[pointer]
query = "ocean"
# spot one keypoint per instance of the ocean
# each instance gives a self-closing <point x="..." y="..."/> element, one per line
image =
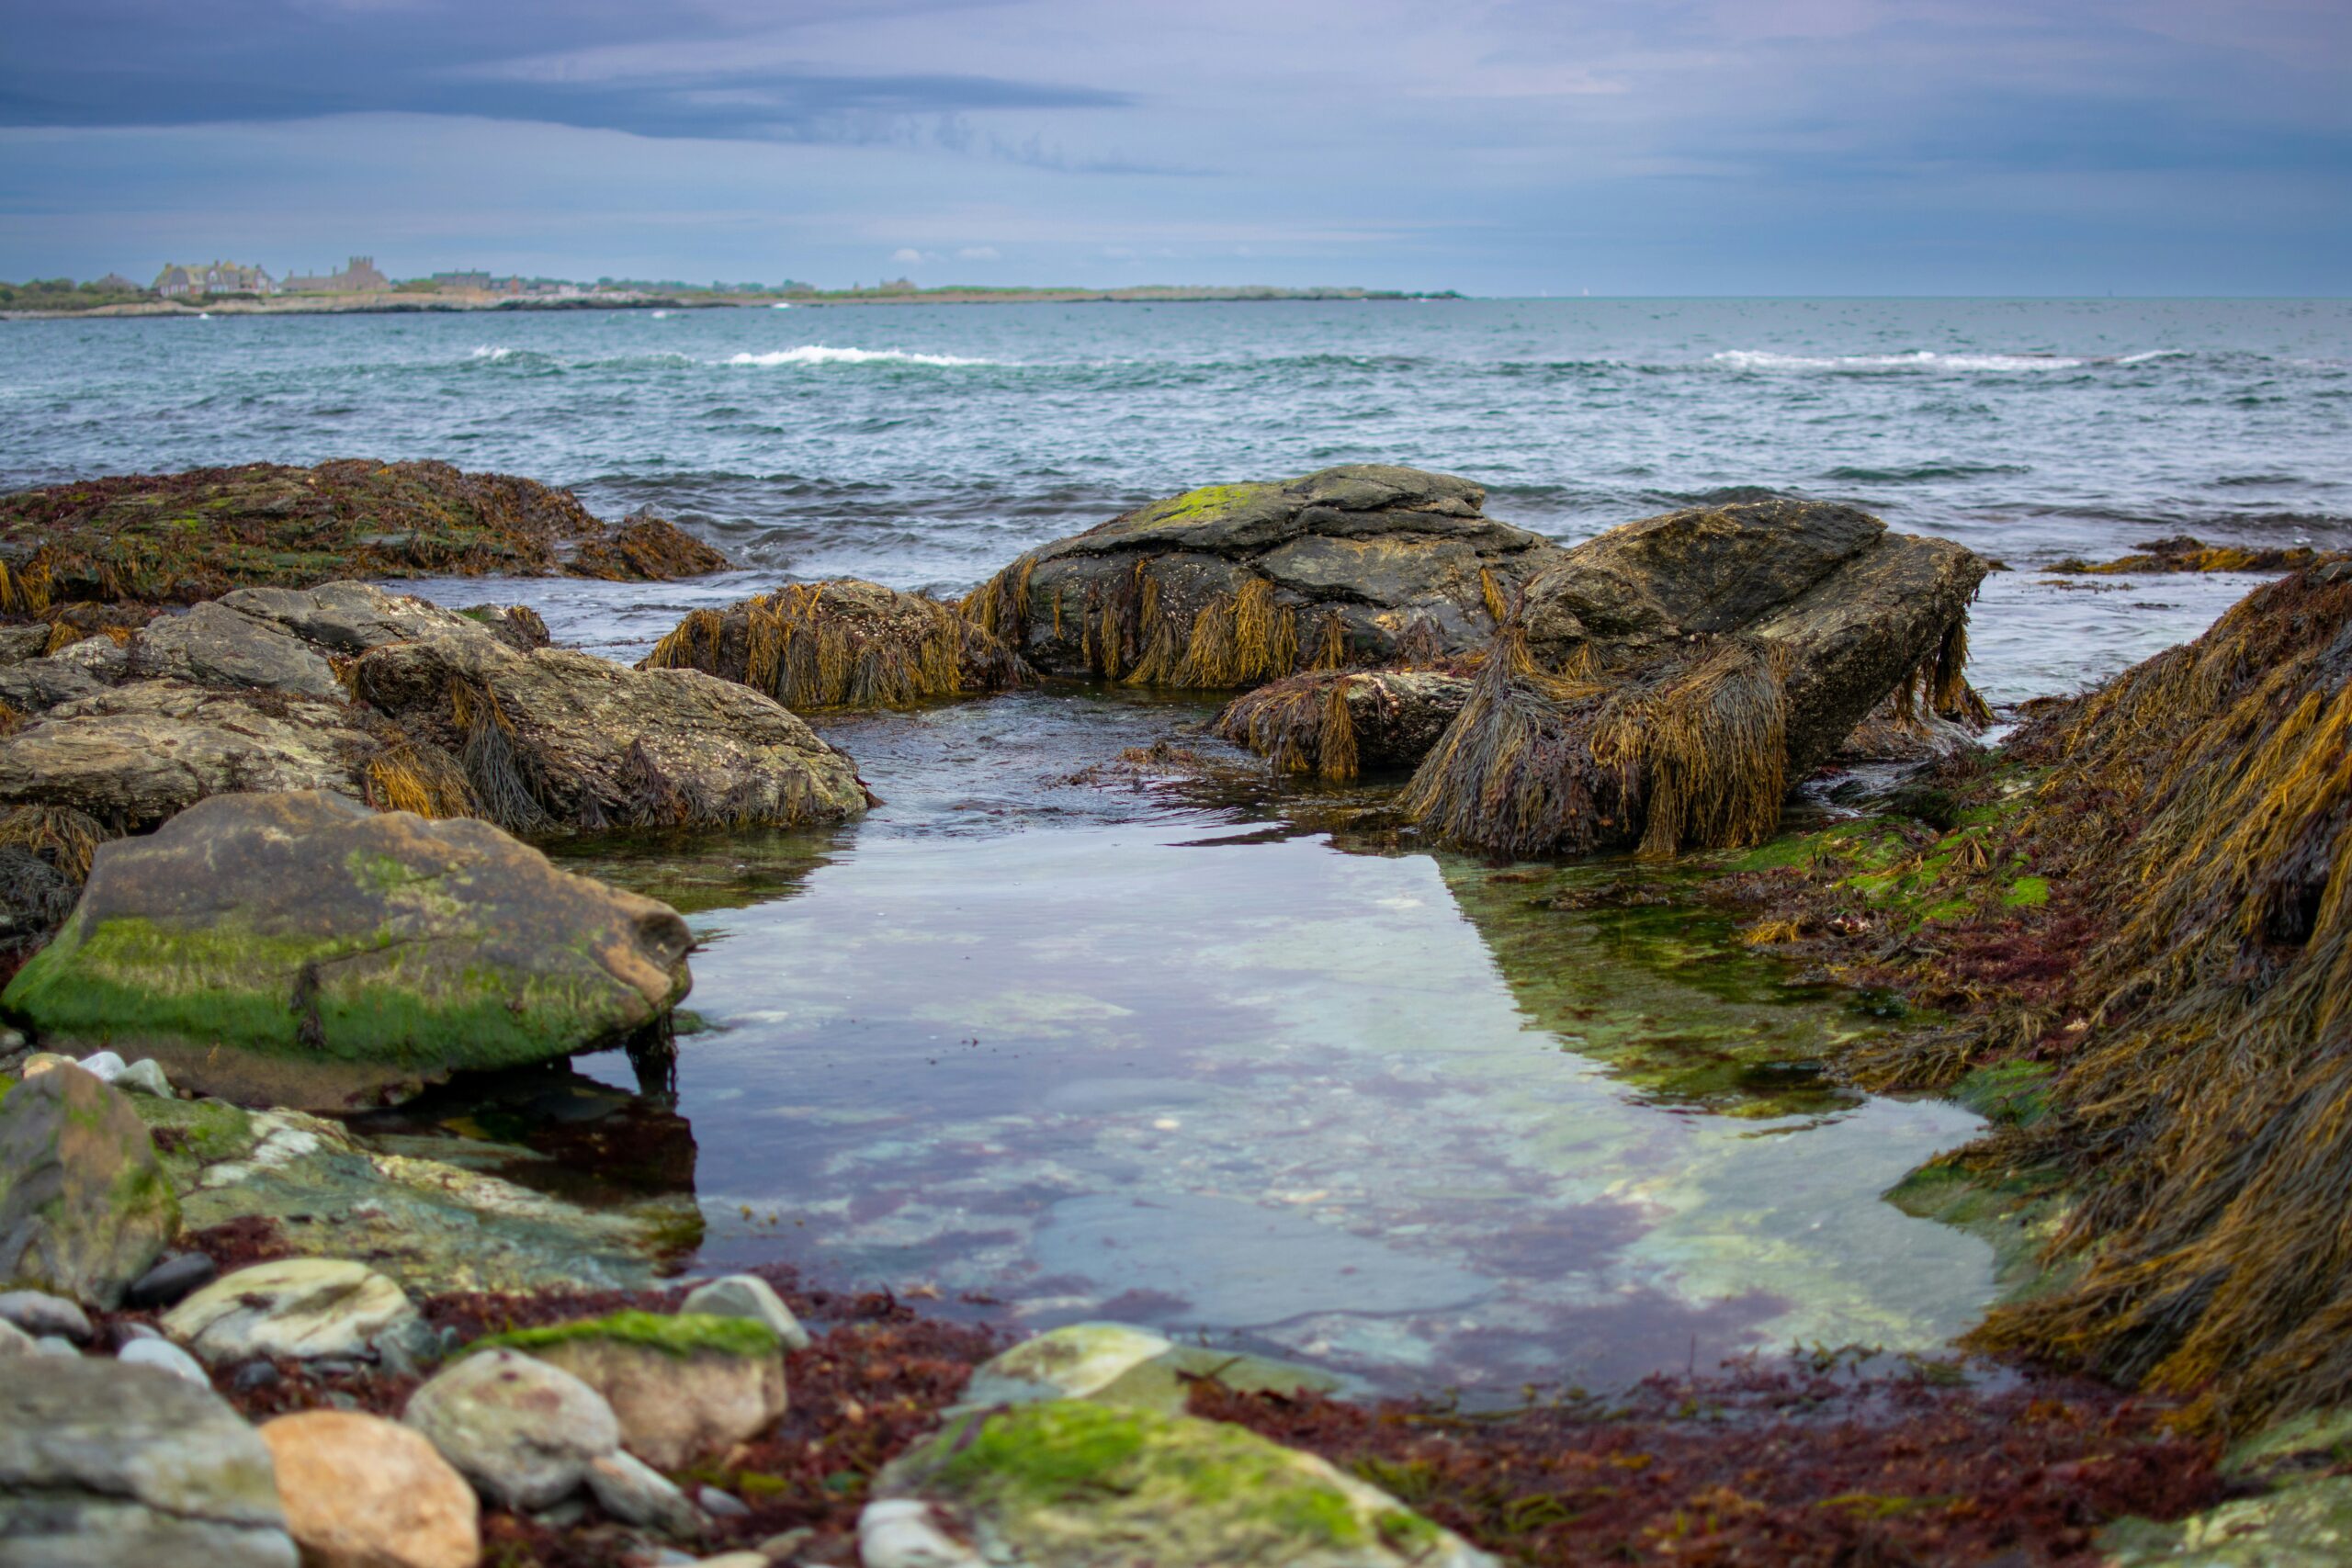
<point x="1211" y="1063"/>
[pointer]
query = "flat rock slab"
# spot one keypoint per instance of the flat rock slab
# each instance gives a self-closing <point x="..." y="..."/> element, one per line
<point x="301" y="950"/>
<point x="1231" y="585"/>
<point x="103" y="1464"/>
<point x="300" y="1308"/>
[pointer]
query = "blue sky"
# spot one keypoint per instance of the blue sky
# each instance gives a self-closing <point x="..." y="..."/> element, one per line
<point x="1689" y="146"/>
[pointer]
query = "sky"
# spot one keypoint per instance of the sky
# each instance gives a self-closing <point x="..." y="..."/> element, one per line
<point x="1498" y="147"/>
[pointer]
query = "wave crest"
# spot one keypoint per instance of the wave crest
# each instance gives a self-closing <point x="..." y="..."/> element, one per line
<point x="818" y="354"/>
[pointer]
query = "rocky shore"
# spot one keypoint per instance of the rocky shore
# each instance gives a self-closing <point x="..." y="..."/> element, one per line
<point x="267" y="861"/>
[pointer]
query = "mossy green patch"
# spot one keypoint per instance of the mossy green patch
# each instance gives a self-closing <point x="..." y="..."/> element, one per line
<point x="2027" y="892"/>
<point x="1195" y="505"/>
<point x="685" y="1335"/>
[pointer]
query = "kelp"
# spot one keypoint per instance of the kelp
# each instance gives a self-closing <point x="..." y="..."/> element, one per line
<point x="1689" y="753"/>
<point x="2204" y="1103"/>
<point x="178" y="539"/>
<point x="60" y="835"/>
<point x="417" y="775"/>
<point x="842" y="644"/>
<point x="1301" y="724"/>
<point x="2185" y="553"/>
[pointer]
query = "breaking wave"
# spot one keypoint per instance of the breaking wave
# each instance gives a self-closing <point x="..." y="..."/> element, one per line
<point x="817" y="354"/>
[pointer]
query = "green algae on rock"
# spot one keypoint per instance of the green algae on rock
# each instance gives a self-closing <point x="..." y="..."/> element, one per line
<point x="297" y="949"/>
<point x="1069" y="1482"/>
<point x="85" y="1206"/>
<point x="1114" y="1363"/>
<point x="684" y="1388"/>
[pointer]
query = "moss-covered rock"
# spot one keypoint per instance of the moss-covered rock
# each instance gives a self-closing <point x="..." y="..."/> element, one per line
<point x="1113" y="1363"/>
<point x="85" y="1206"/>
<point x="684" y="1388"/>
<point x="1071" y="1483"/>
<point x="300" y="949"/>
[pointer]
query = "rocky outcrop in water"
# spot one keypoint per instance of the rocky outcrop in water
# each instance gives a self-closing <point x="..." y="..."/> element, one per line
<point x="299" y="949"/>
<point x="137" y="541"/>
<point x="846" y="643"/>
<point x="405" y="706"/>
<point x="1233" y="585"/>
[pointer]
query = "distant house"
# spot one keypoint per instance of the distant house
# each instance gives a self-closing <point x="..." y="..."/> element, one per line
<point x="178" y="281"/>
<point x="358" y="276"/>
<point x="475" y="280"/>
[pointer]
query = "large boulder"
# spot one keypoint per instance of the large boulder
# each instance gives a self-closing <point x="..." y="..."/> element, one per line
<point x="846" y="643"/>
<point x="103" y="1463"/>
<point x="454" y="714"/>
<point x="523" y="1432"/>
<point x="85" y="1206"/>
<point x="1069" y="1484"/>
<point x="684" y="1389"/>
<point x="1664" y="683"/>
<point x="1232" y="585"/>
<point x="301" y="950"/>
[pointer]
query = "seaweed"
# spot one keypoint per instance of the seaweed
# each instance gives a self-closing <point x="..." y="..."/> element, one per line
<point x="645" y="549"/>
<point x="417" y="775"/>
<point x="842" y="644"/>
<point x="60" y="835"/>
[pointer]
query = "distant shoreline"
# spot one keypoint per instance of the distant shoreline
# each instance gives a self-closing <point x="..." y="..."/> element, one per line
<point x="455" y="303"/>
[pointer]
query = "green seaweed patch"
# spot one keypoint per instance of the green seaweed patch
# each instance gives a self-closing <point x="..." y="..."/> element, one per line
<point x="1190" y="1490"/>
<point x="192" y="1133"/>
<point x="1209" y="500"/>
<point x="2026" y="892"/>
<point x="2016" y="1211"/>
<point x="2016" y="1092"/>
<point x="684" y="1335"/>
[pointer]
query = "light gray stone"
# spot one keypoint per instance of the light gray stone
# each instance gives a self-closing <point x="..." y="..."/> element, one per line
<point x="104" y="1066"/>
<point x="146" y="1075"/>
<point x="212" y="645"/>
<point x="628" y="1488"/>
<point x="303" y="1308"/>
<point x="38" y="1312"/>
<point x="51" y="1345"/>
<point x="14" y="1341"/>
<point x="748" y="1296"/>
<point x="523" y="1432"/>
<point x="164" y="1356"/>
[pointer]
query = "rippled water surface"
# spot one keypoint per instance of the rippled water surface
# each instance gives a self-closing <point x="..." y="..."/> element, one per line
<point x="1236" y="1060"/>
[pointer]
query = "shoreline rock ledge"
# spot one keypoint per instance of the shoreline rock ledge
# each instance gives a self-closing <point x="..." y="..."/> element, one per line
<point x="301" y="950"/>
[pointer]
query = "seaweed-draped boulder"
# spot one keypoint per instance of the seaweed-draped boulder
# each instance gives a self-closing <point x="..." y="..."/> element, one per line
<point x="1665" y="683"/>
<point x="406" y="706"/>
<point x="1231" y="585"/>
<point x="844" y="643"/>
<point x="301" y="950"/>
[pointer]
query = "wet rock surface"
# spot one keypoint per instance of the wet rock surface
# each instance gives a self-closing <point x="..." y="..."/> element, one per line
<point x="299" y="949"/>
<point x="1232" y="585"/>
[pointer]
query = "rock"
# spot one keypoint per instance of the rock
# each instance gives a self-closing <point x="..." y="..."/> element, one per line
<point x="38" y="685"/>
<point x="1069" y="1484"/>
<point x="164" y="1356"/>
<point x="176" y="538"/>
<point x="104" y="1066"/>
<point x="20" y="643"/>
<point x="351" y="618"/>
<point x="631" y="1490"/>
<point x="555" y="739"/>
<point x="722" y="1505"/>
<point x="14" y="1341"/>
<point x="140" y="753"/>
<point x="361" y="1491"/>
<point x="519" y="627"/>
<point x="1112" y="1363"/>
<point x="1233" y="585"/>
<point x="1667" y="681"/>
<point x="212" y="645"/>
<point x="645" y="549"/>
<point x="85" y="1206"/>
<point x="522" y="1431"/>
<point x="146" y="1075"/>
<point x="103" y="1463"/>
<point x="101" y="658"/>
<point x="1336" y="723"/>
<point x="301" y="950"/>
<point x="299" y="1308"/>
<point x="684" y="1388"/>
<point x="37" y="1311"/>
<point x="171" y="1281"/>
<point x="846" y="643"/>
<point x="748" y="1296"/>
<point x="51" y="1345"/>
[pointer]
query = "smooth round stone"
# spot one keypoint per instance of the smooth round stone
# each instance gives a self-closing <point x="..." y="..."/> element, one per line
<point x="146" y="1075"/>
<point x="522" y="1431"/>
<point x="748" y="1296"/>
<point x="51" y="1345"/>
<point x="362" y="1491"/>
<point x="38" y="1313"/>
<point x="164" y="1356"/>
<point x="104" y="1066"/>
<point x="303" y="1308"/>
<point x="171" y="1282"/>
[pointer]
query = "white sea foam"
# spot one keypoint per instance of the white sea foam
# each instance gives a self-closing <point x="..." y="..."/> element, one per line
<point x="817" y="354"/>
<point x="1922" y="360"/>
<point x="493" y="353"/>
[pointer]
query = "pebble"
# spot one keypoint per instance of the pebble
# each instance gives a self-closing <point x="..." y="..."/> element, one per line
<point x="51" y="1345"/>
<point x="130" y="1331"/>
<point x="253" y="1375"/>
<point x="11" y="1040"/>
<point x="737" y="1560"/>
<point x="721" y="1505"/>
<point x="104" y="1066"/>
<point x="38" y="1312"/>
<point x="749" y="1296"/>
<point x="164" y="1355"/>
<point x="172" y="1280"/>
<point x="632" y="1490"/>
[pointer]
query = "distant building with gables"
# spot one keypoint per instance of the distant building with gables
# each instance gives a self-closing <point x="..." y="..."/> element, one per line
<point x="358" y="276"/>
<point x="179" y="282"/>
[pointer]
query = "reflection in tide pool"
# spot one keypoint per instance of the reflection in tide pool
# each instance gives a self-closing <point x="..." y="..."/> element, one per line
<point x="1173" y="1071"/>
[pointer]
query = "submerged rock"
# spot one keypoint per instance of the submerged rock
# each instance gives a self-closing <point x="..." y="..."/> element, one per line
<point x="684" y="1389"/>
<point x="103" y="1463"/>
<point x="846" y="643"/>
<point x="1073" y="1485"/>
<point x="1232" y="585"/>
<point x="1113" y="1363"/>
<point x="1666" y="681"/>
<point x="300" y="949"/>
<point x="178" y="539"/>
<point x="85" y="1206"/>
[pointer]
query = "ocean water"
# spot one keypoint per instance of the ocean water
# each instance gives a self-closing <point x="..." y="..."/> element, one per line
<point x="1060" y="1047"/>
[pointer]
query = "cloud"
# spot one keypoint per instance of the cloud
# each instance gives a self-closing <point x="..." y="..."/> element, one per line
<point x="909" y="256"/>
<point x="978" y="253"/>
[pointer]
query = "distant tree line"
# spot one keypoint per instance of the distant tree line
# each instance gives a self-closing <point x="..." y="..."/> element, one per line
<point x="64" y="294"/>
